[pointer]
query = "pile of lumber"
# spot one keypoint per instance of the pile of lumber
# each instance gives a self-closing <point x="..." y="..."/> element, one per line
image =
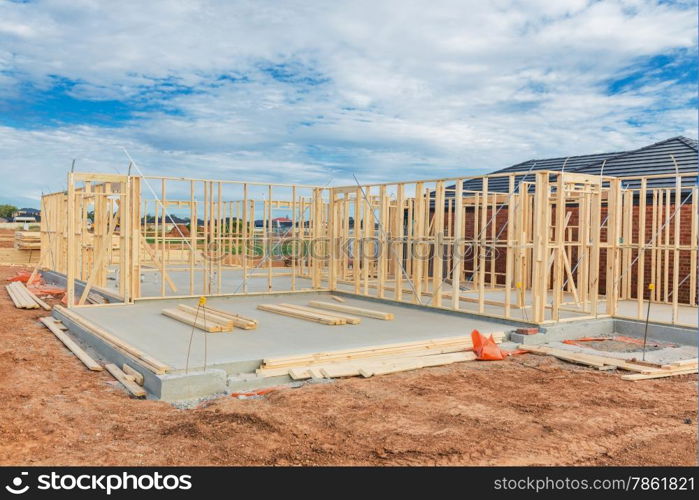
<point x="374" y="360"/>
<point x="209" y="319"/>
<point x="327" y="313"/>
<point x="309" y="314"/>
<point x="14" y="257"/>
<point x="113" y="341"/>
<point x="27" y="240"/>
<point x="131" y="379"/>
<point x="23" y="298"/>
<point x="643" y="370"/>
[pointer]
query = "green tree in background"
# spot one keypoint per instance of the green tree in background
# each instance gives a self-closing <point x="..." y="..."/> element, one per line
<point x="6" y="211"/>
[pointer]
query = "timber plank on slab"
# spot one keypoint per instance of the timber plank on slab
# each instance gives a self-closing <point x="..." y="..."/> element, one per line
<point x="206" y="314"/>
<point x="197" y="322"/>
<point x="295" y="313"/>
<point x="359" y="311"/>
<point x="351" y="320"/>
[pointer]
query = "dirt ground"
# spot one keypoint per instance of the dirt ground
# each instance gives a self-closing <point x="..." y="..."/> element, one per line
<point x="529" y="410"/>
<point x="7" y="238"/>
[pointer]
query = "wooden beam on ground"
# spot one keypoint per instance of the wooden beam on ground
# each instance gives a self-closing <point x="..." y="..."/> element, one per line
<point x="71" y="345"/>
<point x="150" y="362"/>
<point x="137" y="376"/>
<point x="590" y="359"/>
<point x="36" y="299"/>
<point x="130" y="385"/>
<point x="660" y="374"/>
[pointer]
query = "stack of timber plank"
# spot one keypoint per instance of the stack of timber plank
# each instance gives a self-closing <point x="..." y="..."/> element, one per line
<point x="309" y="314"/>
<point x="115" y="342"/>
<point x="27" y="240"/>
<point x="238" y="320"/>
<point x="209" y="319"/>
<point x="199" y="319"/>
<point x="14" y="257"/>
<point x="57" y="329"/>
<point x="23" y="298"/>
<point x="374" y="360"/>
<point x="360" y="311"/>
<point x="642" y="370"/>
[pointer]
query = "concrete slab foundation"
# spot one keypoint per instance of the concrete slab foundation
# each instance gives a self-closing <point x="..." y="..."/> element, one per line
<point x="232" y="358"/>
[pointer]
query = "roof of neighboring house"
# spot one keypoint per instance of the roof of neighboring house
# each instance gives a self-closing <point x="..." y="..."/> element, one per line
<point x="28" y="210"/>
<point x="649" y="160"/>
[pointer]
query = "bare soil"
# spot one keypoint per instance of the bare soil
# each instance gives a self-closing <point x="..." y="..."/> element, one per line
<point x="7" y="238"/>
<point x="528" y="410"/>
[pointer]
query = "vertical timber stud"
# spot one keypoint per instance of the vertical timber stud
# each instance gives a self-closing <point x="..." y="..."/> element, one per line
<point x="676" y="250"/>
<point x="356" y="257"/>
<point x="71" y="242"/>
<point x="457" y="253"/>
<point x="508" y="246"/>
<point x="437" y="267"/>
<point x="559" y="249"/>
<point x="367" y="221"/>
<point x="417" y="249"/>
<point x="398" y="248"/>
<point x="330" y="232"/>
<point x="316" y="224"/>
<point x="481" y="247"/>
<point x="640" y="279"/>
<point x="192" y="236"/>
<point x="614" y="219"/>
<point x="540" y="239"/>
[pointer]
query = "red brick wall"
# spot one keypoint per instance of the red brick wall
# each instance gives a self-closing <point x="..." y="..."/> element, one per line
<point x="685" y="256"/>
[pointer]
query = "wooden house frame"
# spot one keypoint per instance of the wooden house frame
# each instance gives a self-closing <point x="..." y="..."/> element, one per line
<point x="556" y="246"/>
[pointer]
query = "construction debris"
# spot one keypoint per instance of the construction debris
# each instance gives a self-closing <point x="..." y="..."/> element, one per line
<point x="23" y="298"/>
<point x="644" y="370"/>
<point x="375" y="360"/>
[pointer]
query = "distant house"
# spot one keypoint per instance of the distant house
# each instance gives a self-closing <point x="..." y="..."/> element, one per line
<point x="26" y="215"/>
<point x="282" y="223"/>
<point x="673" y="155"/>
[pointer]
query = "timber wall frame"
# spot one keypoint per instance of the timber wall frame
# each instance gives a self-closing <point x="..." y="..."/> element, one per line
<point x="553" y="247"/>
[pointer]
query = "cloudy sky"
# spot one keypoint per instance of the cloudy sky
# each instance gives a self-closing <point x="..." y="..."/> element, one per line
<point x="315" y="91"/>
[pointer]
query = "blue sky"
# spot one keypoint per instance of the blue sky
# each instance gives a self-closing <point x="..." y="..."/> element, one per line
<point x="291" y="92"/>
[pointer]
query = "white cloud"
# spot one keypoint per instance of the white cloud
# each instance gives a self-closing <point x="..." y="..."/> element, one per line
<point x="406" y="89"/>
